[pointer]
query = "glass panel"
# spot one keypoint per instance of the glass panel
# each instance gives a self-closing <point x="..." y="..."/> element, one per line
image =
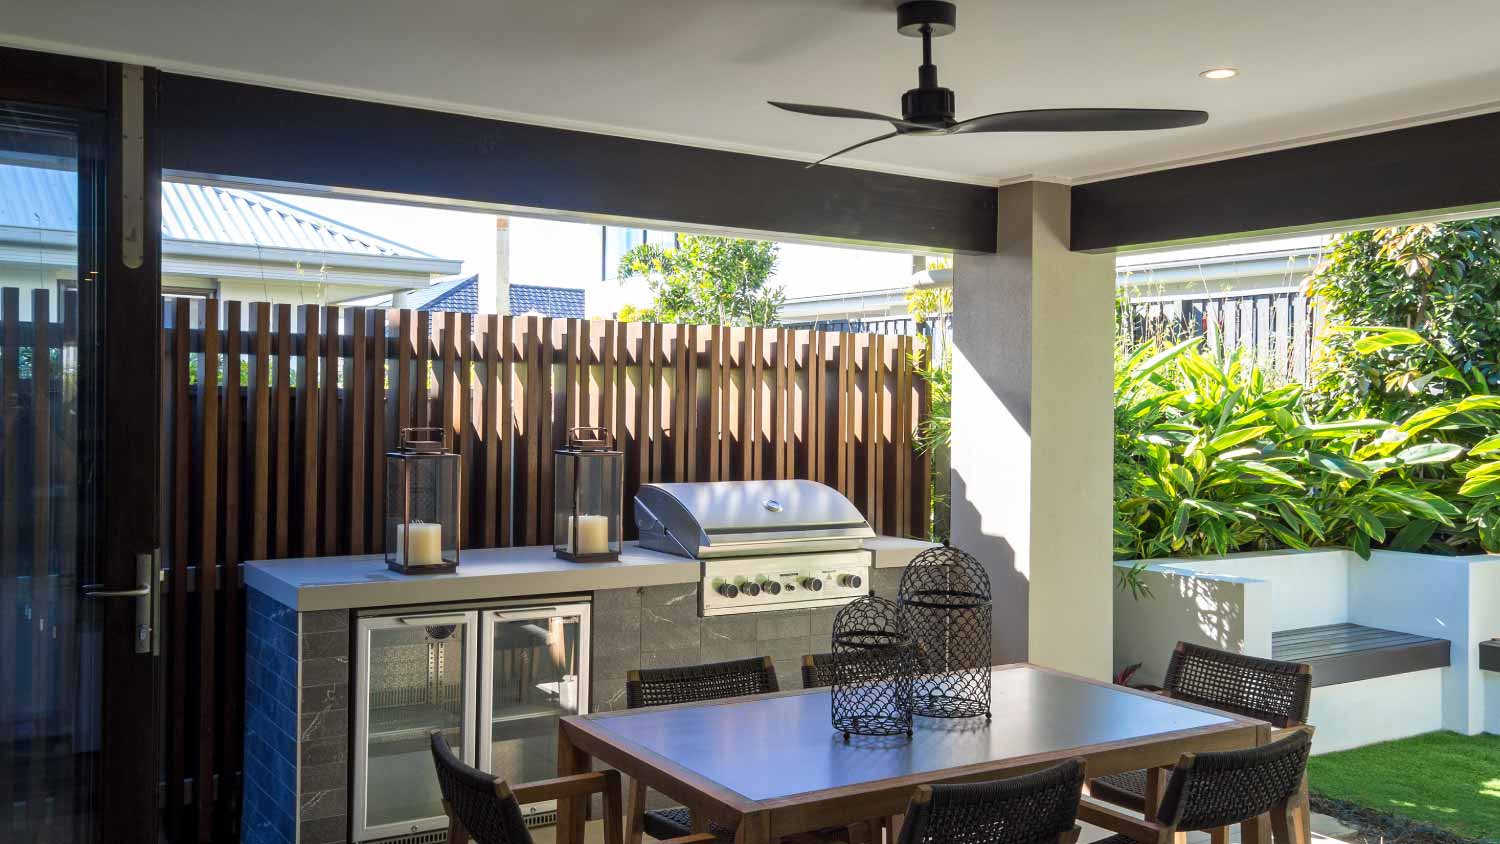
<point x="535" y="680"/>
<point x="49" y="635"/>
<point x="416" y="685"/>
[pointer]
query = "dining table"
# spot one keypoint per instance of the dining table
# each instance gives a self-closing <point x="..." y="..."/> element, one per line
<point x="771" y="766"/>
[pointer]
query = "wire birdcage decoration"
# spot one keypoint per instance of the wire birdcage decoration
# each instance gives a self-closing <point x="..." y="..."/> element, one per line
<point x="871" y="667"/>
<point x="945" y="603"/>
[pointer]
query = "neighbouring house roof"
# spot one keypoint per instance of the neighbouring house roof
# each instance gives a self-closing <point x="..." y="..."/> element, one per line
<point x="44" y="198"/>
<point x="560" y="302"/>
<point x="455" y="295"/>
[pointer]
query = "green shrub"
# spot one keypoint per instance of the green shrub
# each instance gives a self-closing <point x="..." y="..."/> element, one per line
<point x="1212" y="457"/>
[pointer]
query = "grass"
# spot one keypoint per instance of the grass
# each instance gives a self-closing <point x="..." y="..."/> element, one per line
<point x="1444" y="779"/>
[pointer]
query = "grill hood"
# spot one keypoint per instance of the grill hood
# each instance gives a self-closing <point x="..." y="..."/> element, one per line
<point x="740" y="518"/>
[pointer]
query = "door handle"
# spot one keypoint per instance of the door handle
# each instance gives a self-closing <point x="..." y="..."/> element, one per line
<point x="433" y="620"/>
<point x="144" y="595"/>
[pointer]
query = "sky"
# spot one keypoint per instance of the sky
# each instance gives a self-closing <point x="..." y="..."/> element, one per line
<point x="563" y="254"/>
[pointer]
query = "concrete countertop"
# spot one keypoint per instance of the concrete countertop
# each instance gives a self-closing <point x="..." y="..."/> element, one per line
<point x="309" y="584"/>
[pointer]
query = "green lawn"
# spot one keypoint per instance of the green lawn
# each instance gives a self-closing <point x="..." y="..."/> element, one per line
<point x="1444" y="779"/>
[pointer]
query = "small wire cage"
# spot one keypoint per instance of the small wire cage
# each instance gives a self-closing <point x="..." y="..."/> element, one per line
<point x="945" y="603"/>
<point x="871" y="668"/>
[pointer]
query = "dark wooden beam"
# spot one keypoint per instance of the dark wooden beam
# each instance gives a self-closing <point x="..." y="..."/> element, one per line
<point x="226" y="129"/>
<point x="1432" y="168"/>
<point x="52" y="80"/>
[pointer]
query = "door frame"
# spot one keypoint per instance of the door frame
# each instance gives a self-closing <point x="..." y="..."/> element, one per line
<point x="120" y="455"/>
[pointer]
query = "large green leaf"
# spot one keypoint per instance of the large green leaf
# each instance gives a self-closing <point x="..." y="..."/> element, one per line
<point x="1229" y="439"/>
<point x="1414" y="535"/>
<point x="1376" y="339"/>
<point x="1341" y="466"/>
<point x="1488" y="445"/>
<point x="1430" y="453"/>
<point x="1339" y="429"/>
<point x="1365" y="519"/>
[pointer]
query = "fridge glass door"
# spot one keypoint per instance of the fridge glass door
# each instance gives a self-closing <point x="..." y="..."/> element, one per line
<point x="414" y="678"/>
<point x="536" y="671"/>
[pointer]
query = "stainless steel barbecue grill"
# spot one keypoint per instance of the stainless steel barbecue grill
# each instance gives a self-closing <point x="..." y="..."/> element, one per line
<point x="763" y="545"/>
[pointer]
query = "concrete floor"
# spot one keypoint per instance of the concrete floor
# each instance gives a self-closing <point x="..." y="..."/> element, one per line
<point x="1324" y="829"/>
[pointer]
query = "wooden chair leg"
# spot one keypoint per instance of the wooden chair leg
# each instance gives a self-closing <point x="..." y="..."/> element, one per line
<point x="635" y="812"/>
<point x="893" y="828"/>
<point x="1219" y="836"/>
<point x="1304" y="812"/>
<point x="614" y="812"/>
<point x="1286" y="824"/>
<point x="1257" y="830"/>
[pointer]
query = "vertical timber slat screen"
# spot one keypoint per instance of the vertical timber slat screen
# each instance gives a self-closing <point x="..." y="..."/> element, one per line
<point x="276" y="420"/>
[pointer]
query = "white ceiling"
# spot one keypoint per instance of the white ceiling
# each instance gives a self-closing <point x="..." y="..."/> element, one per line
<point x="699" y="71"/>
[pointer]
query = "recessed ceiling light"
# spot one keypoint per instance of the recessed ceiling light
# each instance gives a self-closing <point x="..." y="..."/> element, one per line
<point x="1220" y="73"/>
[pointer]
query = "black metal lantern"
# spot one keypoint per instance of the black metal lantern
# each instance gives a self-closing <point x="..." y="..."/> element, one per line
<point x="421" y="504"/>
<point x="945" y="602"/>
<point x="589" y="485"/>
<point x="871" y="667"/>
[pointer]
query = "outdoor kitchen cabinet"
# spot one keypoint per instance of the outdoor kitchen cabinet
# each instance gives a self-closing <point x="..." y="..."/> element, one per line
<point x="494" y="679"/>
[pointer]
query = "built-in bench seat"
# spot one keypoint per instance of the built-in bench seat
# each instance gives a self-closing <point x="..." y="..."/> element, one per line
<point x="1347" y="653"/>
<point x="1489" y="655"/>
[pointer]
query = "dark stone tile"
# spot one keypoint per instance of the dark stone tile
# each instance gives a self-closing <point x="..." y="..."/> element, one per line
<point x="728" y="628"/>
<point x="887" y="582"/>
<point x="331" y="696"/>
<point x="820" y="620"/>
<point x="614" y="664"/>
<point x="784" y="649"/>
<point x="670" y="659"/>
<point x="670" y="595"/>
<point x="325" y="751"/>
<point x="670" y="627"/>
<point x="608" y="694"/>
<point x="319" y="645"/>
<point x="326" y="723"/>
<point x="325" y="777"/>
<point x="331" y="830"/>
<point x="782" y="625"/>
<point x="617" y="600"/>
<point x="325" y="621"/>
<point x="616" y="626"/>
<point x="322" y="804"/>
<point x="723" y="651"/>
<point x="326" y="670"/>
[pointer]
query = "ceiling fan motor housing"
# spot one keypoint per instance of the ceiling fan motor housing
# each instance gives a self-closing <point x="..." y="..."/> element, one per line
<point x="928" y="105"/>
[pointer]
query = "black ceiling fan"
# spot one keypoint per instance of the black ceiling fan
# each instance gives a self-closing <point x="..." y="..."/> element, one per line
<point x="928" y="108"/>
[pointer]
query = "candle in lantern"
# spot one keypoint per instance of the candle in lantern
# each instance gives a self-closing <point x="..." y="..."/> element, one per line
<point x="593" y="535"/>
<point x="426" y="544"/>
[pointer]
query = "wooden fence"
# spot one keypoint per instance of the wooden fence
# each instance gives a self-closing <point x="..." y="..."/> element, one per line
<point x="284" y="457"/>
<point x="1276" y="330"/>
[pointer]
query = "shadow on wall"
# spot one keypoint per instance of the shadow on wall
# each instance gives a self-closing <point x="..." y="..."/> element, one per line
<point x="1183" y="608"/>
<point x="1008" y="586"/>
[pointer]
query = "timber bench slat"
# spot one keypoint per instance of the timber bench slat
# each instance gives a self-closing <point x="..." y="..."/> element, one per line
<point x="1347" y="653"/>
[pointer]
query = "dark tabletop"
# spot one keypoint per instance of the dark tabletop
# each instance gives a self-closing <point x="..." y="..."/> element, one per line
<point x="771" y="747"/>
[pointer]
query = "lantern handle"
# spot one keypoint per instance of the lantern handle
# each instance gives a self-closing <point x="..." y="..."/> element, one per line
<point x="406" y="441"/>
<point x="591" y="437"/>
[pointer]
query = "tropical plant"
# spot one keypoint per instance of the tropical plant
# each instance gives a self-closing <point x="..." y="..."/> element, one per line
<point x="706" y="280"/>
<point x="1440" y="281"/>
<point x="1211" y="458"/>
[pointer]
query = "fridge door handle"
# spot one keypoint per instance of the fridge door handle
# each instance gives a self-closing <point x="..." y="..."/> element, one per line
<point x="527" y="615"/>
<point x="433" y="620"/>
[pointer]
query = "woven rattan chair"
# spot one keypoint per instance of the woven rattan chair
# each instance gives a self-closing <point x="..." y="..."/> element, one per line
<point x="662" y="686"/>
<point x="818" y="669"/>
<point x="1213" y="791"/>
<point x="1037" y="808"/>
<point x="484" y="808"/>
<point x="1272" y="691"/>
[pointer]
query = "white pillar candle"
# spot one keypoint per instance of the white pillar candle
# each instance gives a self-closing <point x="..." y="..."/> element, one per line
<point x="426" y="544"/>
<point x="593" y="535"/>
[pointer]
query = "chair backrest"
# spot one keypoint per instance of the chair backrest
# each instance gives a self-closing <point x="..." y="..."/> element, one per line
<point x="711" y="681"/>
<point x="819" y="670"/>
<point x="1212" y="790"/>
<point x="1031" y="809"/>
<point x="1273" y="691"/>
<point x="481" y="804"/>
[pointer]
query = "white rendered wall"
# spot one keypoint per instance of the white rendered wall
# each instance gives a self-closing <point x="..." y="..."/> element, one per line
<point x="1386" y="708"/>
<point x="1308" y="588"/>
<point x="1032" y="432"/>
<point x="1229" y="613"/>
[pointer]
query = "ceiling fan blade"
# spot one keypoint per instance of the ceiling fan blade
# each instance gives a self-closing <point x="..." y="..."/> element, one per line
<point x="867" y="142"/>
<point x="1082" y="120"/>
<point x="835" y="111"/>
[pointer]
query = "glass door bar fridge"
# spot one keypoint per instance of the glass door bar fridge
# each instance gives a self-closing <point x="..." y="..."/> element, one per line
<point x="494" y="678"/>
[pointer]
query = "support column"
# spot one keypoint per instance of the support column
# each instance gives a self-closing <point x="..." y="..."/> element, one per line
<point x="1033" y="418"/>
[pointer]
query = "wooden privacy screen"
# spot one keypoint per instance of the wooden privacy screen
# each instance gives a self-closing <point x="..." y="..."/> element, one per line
<point x="287" y="459"/>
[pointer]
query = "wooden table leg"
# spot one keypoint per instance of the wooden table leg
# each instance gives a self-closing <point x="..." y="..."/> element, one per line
<point x="571" y="811"/>
<point x="893" y="828"/>
<point x="635" y="813"/>
<point x="754" y="828"/>
<point x="1156" y="783"/>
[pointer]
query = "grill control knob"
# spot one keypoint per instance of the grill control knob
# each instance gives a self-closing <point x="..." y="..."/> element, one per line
<point x="728" y="590"/>
<point x="812" y="584"/>
<point x="853" y="581"/>
<point x="769" y="586"/>
<point x="748" y="588"/>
